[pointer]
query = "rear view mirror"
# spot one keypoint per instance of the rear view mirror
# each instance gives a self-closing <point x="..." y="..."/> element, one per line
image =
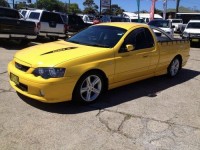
<point x="130" y="47"/>
<point x="173" y="26"/>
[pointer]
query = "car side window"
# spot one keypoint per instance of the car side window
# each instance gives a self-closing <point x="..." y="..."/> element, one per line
<point x="34" y="15"/>
<point x="140" y="38"/>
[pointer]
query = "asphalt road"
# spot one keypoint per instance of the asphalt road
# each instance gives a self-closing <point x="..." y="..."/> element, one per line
<point x="157" y="113"/>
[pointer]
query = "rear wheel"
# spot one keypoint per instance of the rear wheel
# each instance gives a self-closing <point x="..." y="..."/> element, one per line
<point x="174" y="67"/>
<point x="89" y="88"/>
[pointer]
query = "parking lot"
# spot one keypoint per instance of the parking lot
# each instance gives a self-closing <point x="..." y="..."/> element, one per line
<point x="157" y="113"/>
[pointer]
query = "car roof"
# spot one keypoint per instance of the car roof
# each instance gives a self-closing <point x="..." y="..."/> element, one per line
<point x="124" y="25"/>
<point x="194" y="21"/>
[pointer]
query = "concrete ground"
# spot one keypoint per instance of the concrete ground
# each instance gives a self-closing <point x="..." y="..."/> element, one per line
<point x="157" y="113"/>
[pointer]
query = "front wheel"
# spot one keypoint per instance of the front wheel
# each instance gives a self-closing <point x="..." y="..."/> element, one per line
<point x="174" y="67"/>
<point x="89" y="88"/>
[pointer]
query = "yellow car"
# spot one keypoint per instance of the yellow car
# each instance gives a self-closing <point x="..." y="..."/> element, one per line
<point x="101" y="57"/>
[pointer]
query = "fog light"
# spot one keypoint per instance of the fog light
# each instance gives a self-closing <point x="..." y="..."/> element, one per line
<point x="42" y="93"/>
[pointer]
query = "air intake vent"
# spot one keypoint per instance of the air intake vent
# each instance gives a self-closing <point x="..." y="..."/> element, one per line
<point x="21" y="67"/>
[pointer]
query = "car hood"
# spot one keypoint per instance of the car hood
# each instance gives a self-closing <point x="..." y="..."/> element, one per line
<point x="54" y="53"/>
<point x="192" y="30"/>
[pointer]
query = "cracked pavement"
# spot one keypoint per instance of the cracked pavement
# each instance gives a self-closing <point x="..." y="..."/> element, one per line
<point x="157" y="113"/>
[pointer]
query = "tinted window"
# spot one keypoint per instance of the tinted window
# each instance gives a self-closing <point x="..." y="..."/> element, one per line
<point x="100" y="36"/>
<point x="136" y="20"/>
<point x="24" y="13"/>
<point x="177" y="21"/>
<point x="64" y="17"/>
<point x="194" y="25"/>
<point x="34" y="15"/>
<point x="160" y="23"/>
<point x="10" y="13"/>
<point x="73" y="19"/>
<point x="141" y="38"/>
<point x="49" y="16"/>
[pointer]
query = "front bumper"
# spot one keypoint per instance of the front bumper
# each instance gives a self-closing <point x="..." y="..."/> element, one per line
<point x="45" y="90"/>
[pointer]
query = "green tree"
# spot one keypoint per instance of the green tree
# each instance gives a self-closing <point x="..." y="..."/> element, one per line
<point x="90" y="7"/>
<point x="50" y="5"/>
<point x="177" y="5"/>
<point x="116" y="10"/>
<point x="4" y="3"/>
<point x="73" y="8"/>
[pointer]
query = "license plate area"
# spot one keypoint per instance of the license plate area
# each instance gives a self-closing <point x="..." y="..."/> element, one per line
<point x="195" y="40"/>
<point x="14" y="78"/>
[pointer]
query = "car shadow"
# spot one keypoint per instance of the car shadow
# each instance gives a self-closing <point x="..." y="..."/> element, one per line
<point x="149" y="88"/>
<point x="14" y="45"/>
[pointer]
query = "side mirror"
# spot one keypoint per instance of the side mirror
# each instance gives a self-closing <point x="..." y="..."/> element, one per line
<point x="173" y="27"/>
<point x="130" y="47"/>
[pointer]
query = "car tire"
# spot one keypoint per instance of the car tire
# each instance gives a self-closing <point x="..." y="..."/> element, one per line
<point x="174" y="67"/>
<point x="89" y="88"/>
<point x="53" y="38"/>
<point x="24" y="42"/>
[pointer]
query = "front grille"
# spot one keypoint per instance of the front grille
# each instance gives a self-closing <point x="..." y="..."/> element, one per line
<point x="197" y="35"/>
<point x="23" y="87"/>
<point x="21" y="67"/>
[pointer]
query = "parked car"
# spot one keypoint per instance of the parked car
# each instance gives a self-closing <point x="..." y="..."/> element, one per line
<point x="113" y="19"/>
<point x="75" y="24"/>
<point x="177" y="24"/>
<point x="49" y="24"/>
<point x="12" y="26"/>
<point x="165" y="25"/>
<point x="135" y="19"/>
<point x="87" y="18"/>
<point x="192" y="31"/>
<point x="101" y="57"/>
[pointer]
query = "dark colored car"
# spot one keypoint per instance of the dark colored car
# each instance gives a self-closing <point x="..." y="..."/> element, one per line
<point x="13" y="27"/>
<point x="113" y="19"/>
<point x="74" y="23"/>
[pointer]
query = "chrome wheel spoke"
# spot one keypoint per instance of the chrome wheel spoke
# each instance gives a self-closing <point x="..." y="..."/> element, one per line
<point x="96" y="81"/>
<point x="97" y="91"/>
<point x="88" y="96"/>
<point x="83" y="90"/>
<point x="91" y="88"/>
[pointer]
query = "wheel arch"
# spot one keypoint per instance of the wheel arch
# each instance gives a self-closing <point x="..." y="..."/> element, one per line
<point x="94" y="71"/>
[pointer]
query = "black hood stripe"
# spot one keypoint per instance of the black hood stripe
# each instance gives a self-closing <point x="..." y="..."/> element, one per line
<point x="58" y="50"/>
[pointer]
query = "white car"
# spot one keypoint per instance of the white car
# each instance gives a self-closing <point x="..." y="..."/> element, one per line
<point x="192" y="31"/>
<point x="165" y="25"/>
<point x="49" y="24"/>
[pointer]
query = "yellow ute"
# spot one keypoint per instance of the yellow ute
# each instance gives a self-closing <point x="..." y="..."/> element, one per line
<point x="101" y="57"/>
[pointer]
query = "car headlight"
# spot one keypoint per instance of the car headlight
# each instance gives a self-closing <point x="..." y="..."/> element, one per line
<point x="50" y="72"/>
<point x="185" y="34"/>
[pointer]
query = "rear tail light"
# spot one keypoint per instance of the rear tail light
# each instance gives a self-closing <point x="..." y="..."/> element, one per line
<point x="38" y="26"/>
<point x="65" y="28"/>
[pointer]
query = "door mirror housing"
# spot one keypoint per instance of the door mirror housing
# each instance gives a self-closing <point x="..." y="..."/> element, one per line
<point x="130" y="47"/>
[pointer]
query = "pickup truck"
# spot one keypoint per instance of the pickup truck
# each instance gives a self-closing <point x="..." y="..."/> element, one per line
<point x="12" y="26"/>
<point x="101" y="57"/>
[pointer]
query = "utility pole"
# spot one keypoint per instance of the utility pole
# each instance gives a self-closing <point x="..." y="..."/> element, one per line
<point x="177" y="5"/>
<point x="13" y="3"/>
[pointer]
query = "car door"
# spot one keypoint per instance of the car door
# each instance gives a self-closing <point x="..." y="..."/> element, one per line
<point x="135" y="63"/>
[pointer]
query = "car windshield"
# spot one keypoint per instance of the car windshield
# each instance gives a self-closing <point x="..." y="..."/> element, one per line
<point x="160" y="23"/>
<point x="99" y="36"/>
<point x="177" y="21"/>
<point x="194" y="25"/>
<point x="136" y="20"/>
